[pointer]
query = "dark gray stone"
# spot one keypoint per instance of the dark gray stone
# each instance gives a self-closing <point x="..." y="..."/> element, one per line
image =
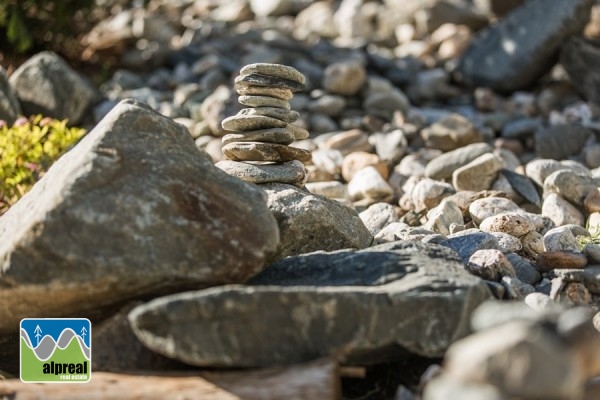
<point x="580" y="58"/>
<point x="558" y="142"/>
<point x="133" y="210"/>
<point x="514" y="53"/>
<point x="467" y="244"/>
<point x="520" y="128"/>
<point x="365" y="306"/>
<point x="46" y="85"/>
<point x="310" y="222"/>
<point x="10" y="108"/>
<point x="526" y="271"/>
<point x="523" y="186"/>
<point x="116" y="348"/>
<point x="445" y="164"/>
<point x="268" y="81"/>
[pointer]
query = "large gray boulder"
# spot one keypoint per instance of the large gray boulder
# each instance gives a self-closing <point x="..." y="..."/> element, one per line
<point x="133" y="210"/>
<point x="310" y="222"/>
<point x="45" y="84"/>
<point x="9" y="105"/>
<point x="364" y="306"/>
<point x="514" y="53"/>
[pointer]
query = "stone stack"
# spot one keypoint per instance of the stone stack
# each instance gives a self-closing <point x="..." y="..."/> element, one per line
<point x="258" y="151"/>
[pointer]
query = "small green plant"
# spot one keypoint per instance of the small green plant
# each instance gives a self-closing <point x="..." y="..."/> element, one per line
<point x="27" y="149"/>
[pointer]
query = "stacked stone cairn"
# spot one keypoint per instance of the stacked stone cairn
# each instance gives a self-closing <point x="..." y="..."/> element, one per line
<point x="258" y="150"/>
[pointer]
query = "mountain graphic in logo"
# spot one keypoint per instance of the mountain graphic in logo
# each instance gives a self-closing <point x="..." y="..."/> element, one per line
<point x="55" y="350"/>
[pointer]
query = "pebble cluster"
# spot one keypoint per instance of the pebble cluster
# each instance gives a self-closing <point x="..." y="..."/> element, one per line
<point x="259" y="150"/>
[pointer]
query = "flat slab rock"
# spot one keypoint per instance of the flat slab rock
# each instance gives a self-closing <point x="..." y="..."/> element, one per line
<point x="512" y="54"/>
<point x="133" y="210"/>
<point x="363" y="306"/>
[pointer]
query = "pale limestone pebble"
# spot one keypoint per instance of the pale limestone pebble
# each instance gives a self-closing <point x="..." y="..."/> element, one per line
<point x="444" y="164"/>
<point x="282" y="114"/>
<point x="533" y="244"/>
<point x="593" y="223"/>
<point x="292" y="172"/>
<point x="560" y="211"/>
<point x="480" y="209"/>
<point x="513" y="223"/>
<point x="344" y="77"/>
<point x="570" y="185"/>
<point x="511" y="161"/>
<point x="508" y="243"/>
<point x="299" y="132"/>
<point x="490" y="264"/>
<point x="273" y="135"/>
<point x="428" y="193"/>
<point x="560" y="239"/>
<point x="264" y="101"/>
<point x="378" y="216"/>
<point x="368" y="184"/>
<point x="358" y="160"/>
<point x="477" y="175"/>
<point x="349" y="141"/>
<point x="451" y="132"/>
<point x="592" y="252"/>
<point x="546" y="370"/>
<point x="541" y="303"/>
<point x="440" y="218"/>
<point x="328" y="160"/>
<point x="463" y="199"/>
<point x="391" y="146"/>
<point x="268" y="81"/>
<point x="444" y="388"/>
<point x="413" y="234"/>
<point x="538" y="170"/>
<point x="279" y="93"/>
<point x="331" y="189"/>
<point x="242" y="123"/>
<point x="257" y="151"/>
<point x="318" y="175"/>
<point x="596" y="321"/>
<point x="416" y="164"/>
<point x="277" y="70"/>
<point x="390" y="232"/>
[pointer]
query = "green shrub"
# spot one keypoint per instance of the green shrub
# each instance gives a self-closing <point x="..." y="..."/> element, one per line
<point x="27" y="149"/>
<point x="25" y="24"/>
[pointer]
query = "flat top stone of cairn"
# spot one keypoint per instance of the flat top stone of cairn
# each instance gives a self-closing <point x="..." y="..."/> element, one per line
<point x="276" y="70"/>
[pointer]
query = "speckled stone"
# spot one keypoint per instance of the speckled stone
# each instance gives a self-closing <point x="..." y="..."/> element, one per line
<point x="490" y="264"/>
<point x="560" y="239"/>
<point x="292" y="172"/>
<point x="273" y="135"/>
<point x="513" y="223"/>
<point x="257" y="151"/>
<point x="242" y="123"/>
<point x="508" y="243"/>
<point x="331" y="189"/>
<point x="533" y="244"/>
<point x="488" y="206"/>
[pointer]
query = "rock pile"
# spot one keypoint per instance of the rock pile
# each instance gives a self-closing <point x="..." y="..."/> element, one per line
<point x="259" y="149"/>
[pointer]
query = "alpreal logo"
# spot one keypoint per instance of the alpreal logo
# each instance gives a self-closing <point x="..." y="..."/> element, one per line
<point x="56" y="350"/>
